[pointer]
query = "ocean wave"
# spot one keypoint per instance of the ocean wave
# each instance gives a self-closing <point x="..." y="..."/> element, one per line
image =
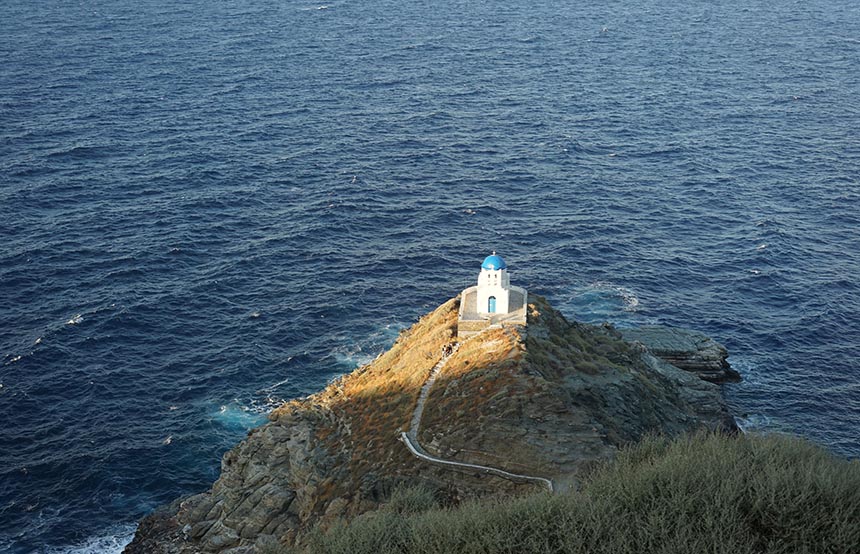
<point x="112" y="541"/>
<point x="351" y="356"/>
<point x="605" y="301"/>
<point x="360" y="353"/>
<point x="12" y="358"/>
<point x="236" y="415"/>
<point x="759" y="423"/>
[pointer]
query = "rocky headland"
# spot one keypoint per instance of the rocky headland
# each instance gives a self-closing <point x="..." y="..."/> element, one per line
<point x="686" y="349"/>
<point x="549" y="400"/>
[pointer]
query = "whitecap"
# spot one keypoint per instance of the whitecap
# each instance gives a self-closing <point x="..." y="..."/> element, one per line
<point x="238" y="417"/>
<point x="75" y="320"/>
<point x="352" y="356"/>
<point x="262" y="406"/>
<point x="631" y="301"/>
<point x="113" y="541"/>
<point x="611" y="293"/>
<point x="755" y="423"/>
<point x="271" y="388"/>
<point x="605" y="301"/>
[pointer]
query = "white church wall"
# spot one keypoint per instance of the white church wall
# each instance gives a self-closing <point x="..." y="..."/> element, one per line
<point x="484" y="294"/>
<point x="493" y="281"/>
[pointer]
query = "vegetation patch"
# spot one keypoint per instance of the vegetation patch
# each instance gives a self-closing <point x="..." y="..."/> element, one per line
<point x="572" y="347"/>
<point x="701" y="493"/>
<point x="367" y="409"/>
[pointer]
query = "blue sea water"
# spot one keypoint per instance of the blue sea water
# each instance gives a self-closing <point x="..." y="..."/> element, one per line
<point x="212" y="206"/>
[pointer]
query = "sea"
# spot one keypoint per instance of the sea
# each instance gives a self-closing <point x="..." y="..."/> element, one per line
<point x="211" y="207"/>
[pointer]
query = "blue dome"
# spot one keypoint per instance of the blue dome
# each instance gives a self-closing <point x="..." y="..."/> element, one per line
<point x="494" y="262"/>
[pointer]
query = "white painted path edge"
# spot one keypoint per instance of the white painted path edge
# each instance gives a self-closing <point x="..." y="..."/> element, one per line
<point x="411" y="438"/>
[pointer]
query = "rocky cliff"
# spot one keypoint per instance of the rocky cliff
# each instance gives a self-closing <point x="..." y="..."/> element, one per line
<point x="686" y="349"/>
<point x="546" y="400"/>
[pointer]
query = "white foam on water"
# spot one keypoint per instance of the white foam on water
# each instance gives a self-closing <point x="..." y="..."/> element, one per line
<point x="758" y="423"/>
<point x="358" y="354"/>
<point x="352" y="356"/>
<point x="271" y="388"/>
<point x="112" y="542"/>
<point x="237" y="416"/>
<point x="750" y="373"/>
<point x="604" y="301"/>
<point x="631" y="302"/>
<point x="52" y="328"/>
<point x="754" y="378"/>
<point x="611" y="293"/>
<point x="262" y="406"/>
<point x="267" y="400"/>
<point x="17" y="358"/>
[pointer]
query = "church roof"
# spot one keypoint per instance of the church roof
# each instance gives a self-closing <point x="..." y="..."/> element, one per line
<point x="493" y="262"/>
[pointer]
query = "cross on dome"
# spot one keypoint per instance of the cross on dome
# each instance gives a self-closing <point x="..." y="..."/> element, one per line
<point x="494" y="262"/>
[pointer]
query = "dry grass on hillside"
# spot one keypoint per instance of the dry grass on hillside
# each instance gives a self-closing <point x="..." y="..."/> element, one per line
<point x="700" y="493"/>
<point x="491" y="400"/>
<point x="371" y="405"/>
<point x="572" y="347"/>
<point x="485" y="367"/>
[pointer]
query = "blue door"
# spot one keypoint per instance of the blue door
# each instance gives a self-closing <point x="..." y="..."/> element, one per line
<point x="492" y="305"/>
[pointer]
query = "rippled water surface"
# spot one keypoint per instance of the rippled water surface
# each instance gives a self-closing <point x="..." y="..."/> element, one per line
<point x="208" y="207"/>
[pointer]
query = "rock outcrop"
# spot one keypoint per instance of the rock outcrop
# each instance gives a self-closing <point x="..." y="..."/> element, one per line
<point x="686" y="349"/>
<point x="548" y="402"/>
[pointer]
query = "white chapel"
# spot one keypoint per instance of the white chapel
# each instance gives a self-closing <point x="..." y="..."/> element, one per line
<point x="493" y="301"/>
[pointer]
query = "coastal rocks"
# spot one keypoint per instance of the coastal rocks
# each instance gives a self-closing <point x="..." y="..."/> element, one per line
<point x="548" y="403"/>
<point x="265" y="488"/>
<point x="558" y="400"/>
<point x="686" y="349"/>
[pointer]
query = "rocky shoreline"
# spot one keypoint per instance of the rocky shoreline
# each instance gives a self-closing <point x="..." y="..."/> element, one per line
<point x="553" y="401"/>
<point x="689" y="350"/>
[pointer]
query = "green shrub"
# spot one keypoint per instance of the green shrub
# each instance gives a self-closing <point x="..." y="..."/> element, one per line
<point x="697" y="494"/>
<point x="411" y="500"/>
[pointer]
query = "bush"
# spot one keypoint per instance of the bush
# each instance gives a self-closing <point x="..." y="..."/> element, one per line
<point x="411" y="500"/>
<point x="703" y="494"/>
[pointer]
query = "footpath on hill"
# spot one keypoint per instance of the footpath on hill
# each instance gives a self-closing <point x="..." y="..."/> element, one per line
<point x="410" y="438"/>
